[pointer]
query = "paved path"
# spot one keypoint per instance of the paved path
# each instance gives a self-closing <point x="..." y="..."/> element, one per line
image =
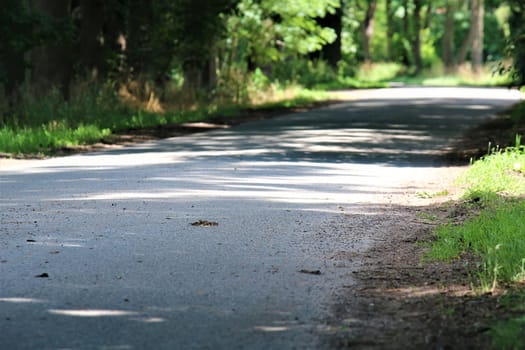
<point x="121" y="266"/>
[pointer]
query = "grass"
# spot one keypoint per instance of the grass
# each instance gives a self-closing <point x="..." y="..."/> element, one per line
<point x="496" y="184"/>
<point x="463" y="76"/>
<point x="380" y="75"/>
<point x="46" y="138"/>
<point x="428" y="195"/>
<point x="41" y="126"/>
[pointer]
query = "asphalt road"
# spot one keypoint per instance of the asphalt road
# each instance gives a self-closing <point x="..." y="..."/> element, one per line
<point x="97" y="250"/>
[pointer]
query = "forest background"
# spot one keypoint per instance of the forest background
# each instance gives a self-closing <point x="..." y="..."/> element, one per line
<point x="75" y="71"/>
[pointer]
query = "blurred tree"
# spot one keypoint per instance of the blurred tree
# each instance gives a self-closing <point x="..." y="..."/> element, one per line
<point x="517" y="40"/>
<point x="52" y="63"/>
<point x="331" y="51"/>
<point x="474" y="38"/>
<point x="448" y="36"/>
<point x="368" y="29"/>
<point x="416" y="40"/>
<point x="24" y="30"/>
<point x="266" y="31"/>
<point x="389" y="29"/>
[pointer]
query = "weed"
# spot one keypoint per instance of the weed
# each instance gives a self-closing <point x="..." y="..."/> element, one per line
<point x="428" y="195"/>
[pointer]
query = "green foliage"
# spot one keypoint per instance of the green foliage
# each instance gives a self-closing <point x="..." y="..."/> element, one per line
<point x="516" y="47"/>
<point x="268" y="31"/>
<point x="304" y="72"/>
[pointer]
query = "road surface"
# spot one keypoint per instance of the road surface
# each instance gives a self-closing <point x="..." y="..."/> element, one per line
<point x="98" y="250"/>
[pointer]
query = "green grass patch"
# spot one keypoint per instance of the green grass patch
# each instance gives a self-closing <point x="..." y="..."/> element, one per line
<point x="453" y="80"/>
<point x="500" y="172"/>
<point x="495" y="235"/>
<point x="428" y="195"/>
<point x="462" y="76"/>
<point x="48" y="137"/>
<point x="496" y="185"/>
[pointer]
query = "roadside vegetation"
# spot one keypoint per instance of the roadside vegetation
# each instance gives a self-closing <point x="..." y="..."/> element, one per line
<point x="493" y="235"/>
<point x="94" y="69"/>
<point x="43" y="124"/>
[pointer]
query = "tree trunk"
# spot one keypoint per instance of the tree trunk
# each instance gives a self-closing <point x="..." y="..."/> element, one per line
<point x="416" y="44"/>
<point x="428" y="16"/>
<point x="15" y="73"/>
<point x="477" y="39"/>
<point x="12" y="61"/>
<point x="368" y="29"/>
<point x="389" y="29"/>
<point x="89" y="51"/>
<point x="406" y="31"/>
<point x="448" y="37"/>
<point x="210" y="73"/>
<point x="53" y="65"/>
<point x="139" y="21"/>
<point x="474" y="39"/>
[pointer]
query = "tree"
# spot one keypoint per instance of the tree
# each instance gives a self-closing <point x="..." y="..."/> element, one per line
<point x="448" y="36"/>
<point x="368" y="29"/>
<point x="478" y="8"/>
<point x="517" y="40"/>
<point x="474" y="39"/>
<point x="331" y="51"/>
<point x="389" y="29"/>
<point x="24" y="30"/>
<point x="416" y="41"/>
<point x="15" y="40"/>
<point x="52" y="63"/>
<point x="267" y="31"/>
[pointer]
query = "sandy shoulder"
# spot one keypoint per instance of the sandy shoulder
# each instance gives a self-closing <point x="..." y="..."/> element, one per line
<point x="10" y="163"/>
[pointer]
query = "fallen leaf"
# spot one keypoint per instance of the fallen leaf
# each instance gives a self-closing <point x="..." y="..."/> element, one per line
<point x="204" y="223"/>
